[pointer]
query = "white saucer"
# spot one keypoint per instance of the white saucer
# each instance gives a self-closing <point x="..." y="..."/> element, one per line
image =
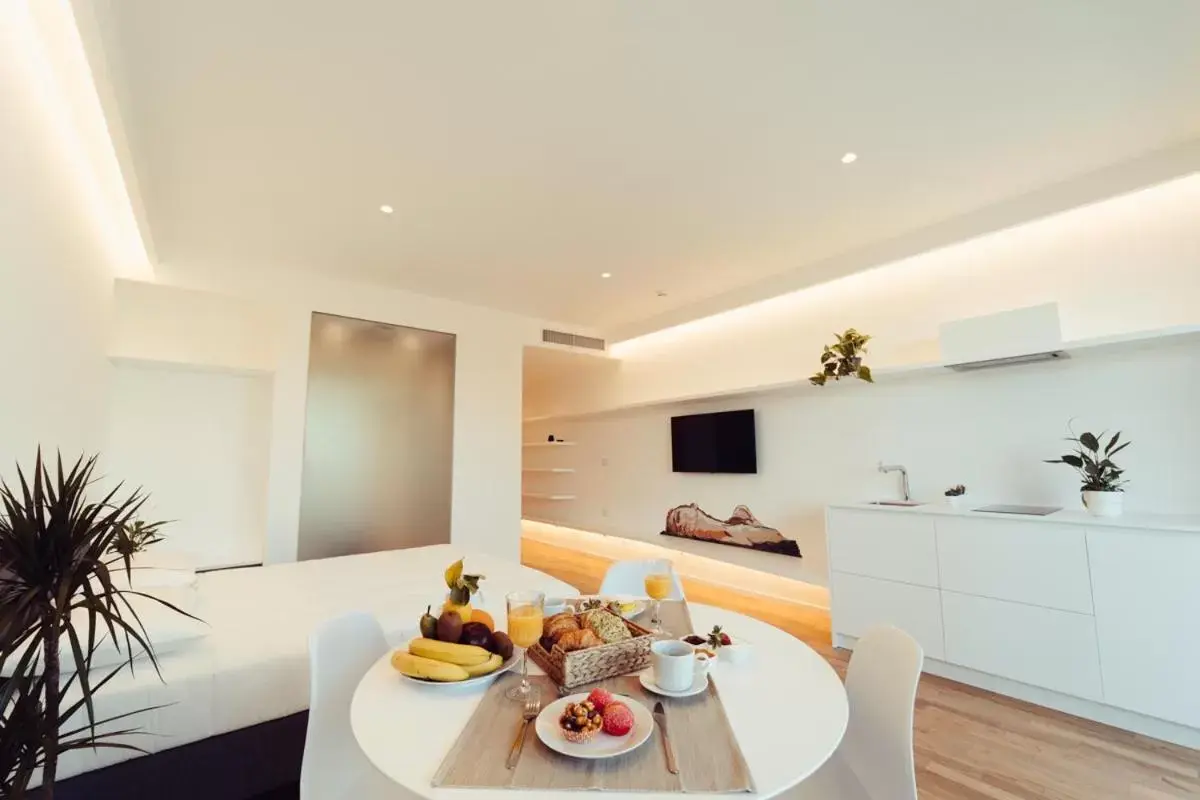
<point x="650" y="686"/>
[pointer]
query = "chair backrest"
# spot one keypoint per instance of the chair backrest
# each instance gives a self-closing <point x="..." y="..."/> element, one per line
<point x="629" y="577"/>
<point x="881" y="682"/>
<point x="340" y="651"/>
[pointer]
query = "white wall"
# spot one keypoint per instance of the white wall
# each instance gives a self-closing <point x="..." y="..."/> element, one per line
<point x="485" y="513"/>
<point x="1125" y="264"/>
<point x="63" y="235"/>
<point x="989" y="430"/>
<point x="198" y="442"/>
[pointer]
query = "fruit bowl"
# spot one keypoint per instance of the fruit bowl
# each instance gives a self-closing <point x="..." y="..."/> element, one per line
<point x="474" y="680"/>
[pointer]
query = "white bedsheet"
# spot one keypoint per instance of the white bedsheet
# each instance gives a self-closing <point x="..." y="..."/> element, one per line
<point x="253" y="665"/>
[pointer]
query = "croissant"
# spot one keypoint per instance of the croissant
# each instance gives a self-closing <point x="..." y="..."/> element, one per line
<point x="560" y="624"/>
<point x="579" y="640"/>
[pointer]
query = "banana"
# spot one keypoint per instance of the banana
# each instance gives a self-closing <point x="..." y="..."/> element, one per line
<point x="486" y="668"/>
<point x="464" y="655"/>
<point x="417" y="667"/>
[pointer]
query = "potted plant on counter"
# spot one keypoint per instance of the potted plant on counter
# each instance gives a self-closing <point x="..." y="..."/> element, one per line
<point x="956" y="496"/>
<point x="1102" y="481"/>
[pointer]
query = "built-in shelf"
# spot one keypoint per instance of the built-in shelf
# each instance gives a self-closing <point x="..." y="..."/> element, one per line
<point x="559" y="470"/>
<point x="886" y="373"/>
<point x="537" y="496"/>
<point x="548" y="444"/>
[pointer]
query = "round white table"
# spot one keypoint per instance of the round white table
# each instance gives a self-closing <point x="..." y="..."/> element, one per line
<point x="787" y="708"/>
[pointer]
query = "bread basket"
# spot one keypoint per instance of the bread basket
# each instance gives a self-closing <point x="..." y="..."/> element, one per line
<point x="580" y="667"/>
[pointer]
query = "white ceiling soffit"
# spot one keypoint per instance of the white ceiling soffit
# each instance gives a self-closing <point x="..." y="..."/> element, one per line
<point x="692" y="150"/>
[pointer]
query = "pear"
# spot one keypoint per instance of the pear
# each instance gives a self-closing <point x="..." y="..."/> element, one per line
<point x="429" y="624"/>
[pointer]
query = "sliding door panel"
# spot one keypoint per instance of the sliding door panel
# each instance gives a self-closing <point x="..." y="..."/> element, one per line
<point x="378" y="438"/>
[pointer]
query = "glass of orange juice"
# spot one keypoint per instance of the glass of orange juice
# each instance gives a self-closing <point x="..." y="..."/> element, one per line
<point x="659" y="585"/>
<point x="525" y="613"/>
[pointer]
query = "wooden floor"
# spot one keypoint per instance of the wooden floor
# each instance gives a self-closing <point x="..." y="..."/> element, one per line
<point x="970" y="744"/>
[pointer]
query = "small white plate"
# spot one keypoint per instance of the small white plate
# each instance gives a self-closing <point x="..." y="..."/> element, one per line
<point x="601" y="745"/>
<point x="640" y="604"/>
<point x="647" y="679"/>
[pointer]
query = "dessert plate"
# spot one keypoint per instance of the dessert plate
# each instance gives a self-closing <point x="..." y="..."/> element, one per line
<point x="601" y="745"/>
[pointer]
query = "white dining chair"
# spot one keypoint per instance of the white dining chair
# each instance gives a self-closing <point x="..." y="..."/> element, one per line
<point x="875" y="759"/>
<point x="340" y="652"/>
<point x="629" y="577"/>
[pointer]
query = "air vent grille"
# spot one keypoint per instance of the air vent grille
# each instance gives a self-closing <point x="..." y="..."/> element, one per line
<point x="572" y="340"/>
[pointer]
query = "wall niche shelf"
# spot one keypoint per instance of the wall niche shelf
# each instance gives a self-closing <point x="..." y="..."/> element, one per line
<point x="548" y="444"/>
<point x="555" y="470"/>
<point x="539" y="496"/>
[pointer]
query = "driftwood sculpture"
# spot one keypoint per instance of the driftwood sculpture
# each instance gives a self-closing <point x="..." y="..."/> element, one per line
<point x="742" y="529"/>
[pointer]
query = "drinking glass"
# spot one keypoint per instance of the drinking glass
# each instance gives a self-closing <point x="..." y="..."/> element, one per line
<point x="659" y="584"/>
<point x="526" y="611"/>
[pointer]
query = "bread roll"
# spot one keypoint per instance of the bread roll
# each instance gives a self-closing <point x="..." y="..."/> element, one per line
<point x="608" y="626"/>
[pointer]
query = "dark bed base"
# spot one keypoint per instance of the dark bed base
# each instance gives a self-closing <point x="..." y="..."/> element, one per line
<point x="238" y="765"/>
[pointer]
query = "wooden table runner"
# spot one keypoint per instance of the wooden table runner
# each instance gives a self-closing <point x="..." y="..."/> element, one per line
<point x="706" y="750"/>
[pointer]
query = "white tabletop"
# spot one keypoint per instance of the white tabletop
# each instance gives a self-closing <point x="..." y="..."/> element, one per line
<point x="787" y="709"/>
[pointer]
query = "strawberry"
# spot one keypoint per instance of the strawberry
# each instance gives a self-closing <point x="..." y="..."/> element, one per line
<point x="725" y="640"/>
<point x="618" y="719"/>
<point x="600" y="698"/>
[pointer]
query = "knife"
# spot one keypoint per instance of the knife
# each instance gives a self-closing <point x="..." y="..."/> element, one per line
<point x="660" y="716"/>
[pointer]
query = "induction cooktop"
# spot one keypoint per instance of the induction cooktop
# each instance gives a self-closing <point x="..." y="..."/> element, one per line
<point x="1029" y="511"/>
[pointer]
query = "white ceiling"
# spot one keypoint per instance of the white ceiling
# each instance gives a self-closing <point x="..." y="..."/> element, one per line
<point x="690" y="146"/>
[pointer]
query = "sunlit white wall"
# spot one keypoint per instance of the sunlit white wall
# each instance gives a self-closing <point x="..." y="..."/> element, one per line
<point x="63" y="235"/>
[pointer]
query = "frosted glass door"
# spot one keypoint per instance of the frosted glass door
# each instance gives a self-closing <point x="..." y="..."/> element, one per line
<point x="378" y="439"/>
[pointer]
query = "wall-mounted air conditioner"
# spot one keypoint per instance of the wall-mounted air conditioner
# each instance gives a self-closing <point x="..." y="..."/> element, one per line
<point x="1020" y="336"/>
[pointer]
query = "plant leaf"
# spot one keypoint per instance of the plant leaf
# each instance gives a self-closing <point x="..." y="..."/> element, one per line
<point x="1089" y="441"/>
<point x="1112" y="443"/>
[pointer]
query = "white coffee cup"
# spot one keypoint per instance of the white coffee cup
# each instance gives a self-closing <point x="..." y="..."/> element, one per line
<point x="676" y="665"/>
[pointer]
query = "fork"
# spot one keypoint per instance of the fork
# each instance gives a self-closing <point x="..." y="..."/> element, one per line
<point x="533" y="707"/>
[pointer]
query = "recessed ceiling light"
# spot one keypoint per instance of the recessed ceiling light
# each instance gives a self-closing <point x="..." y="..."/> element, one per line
<point x="849" y="158"/>
<point x="605" y="274"/>
<point x="386" y="209"/>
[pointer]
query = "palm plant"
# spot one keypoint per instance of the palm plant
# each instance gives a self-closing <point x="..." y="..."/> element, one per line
<point x="56" y="584"/>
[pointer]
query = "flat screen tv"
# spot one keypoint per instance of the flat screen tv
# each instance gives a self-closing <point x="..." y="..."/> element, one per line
<point x="722" y="442"/>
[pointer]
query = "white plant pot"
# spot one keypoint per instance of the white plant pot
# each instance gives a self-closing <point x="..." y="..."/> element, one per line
<point x="1104" y="504"/>
<point x="956" y="501"/>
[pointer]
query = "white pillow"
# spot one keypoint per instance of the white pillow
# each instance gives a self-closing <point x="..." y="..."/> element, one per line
<point x="167" y="631"/>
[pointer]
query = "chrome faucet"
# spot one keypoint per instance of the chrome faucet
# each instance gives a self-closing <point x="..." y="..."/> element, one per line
<point x="903" y="475"/>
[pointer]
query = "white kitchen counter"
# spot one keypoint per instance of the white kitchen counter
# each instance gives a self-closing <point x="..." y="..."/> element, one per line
<point x="1092" y="616"/>
<point x="1182" y="523"/>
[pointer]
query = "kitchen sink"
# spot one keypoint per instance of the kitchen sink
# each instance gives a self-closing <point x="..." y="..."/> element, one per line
<point x="905" y="503"/>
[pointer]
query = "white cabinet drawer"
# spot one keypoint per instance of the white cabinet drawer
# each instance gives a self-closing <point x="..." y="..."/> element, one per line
<point x="860" y="603"/>
<point x="1038" y="646"/>
<point x="1147" y="603"/>
<point x="883" y="544"/>
<point x="1035" y="563"/>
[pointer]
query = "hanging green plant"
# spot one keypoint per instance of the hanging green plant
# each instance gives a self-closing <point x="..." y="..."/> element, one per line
<point x="843" y="359"/>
